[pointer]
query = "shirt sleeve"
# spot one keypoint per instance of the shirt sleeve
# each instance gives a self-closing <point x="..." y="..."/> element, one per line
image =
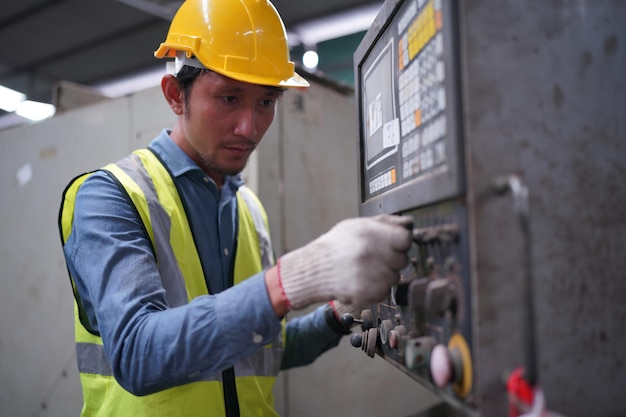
<point x="149" y="345"/>
<point x="308" y="337"/>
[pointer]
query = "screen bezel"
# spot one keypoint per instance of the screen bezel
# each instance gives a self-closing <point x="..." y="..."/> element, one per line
<point x="421" y="191"/>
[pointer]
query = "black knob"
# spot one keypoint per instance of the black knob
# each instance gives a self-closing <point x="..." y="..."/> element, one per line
<point x="356" y="339"/>
<point x="347" y="320"/>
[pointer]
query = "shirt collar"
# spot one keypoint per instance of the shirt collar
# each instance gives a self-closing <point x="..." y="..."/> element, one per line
<point x="180" y="163"/>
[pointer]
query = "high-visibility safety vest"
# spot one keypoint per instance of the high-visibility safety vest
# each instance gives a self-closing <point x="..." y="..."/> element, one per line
<point x="150" y="188"/>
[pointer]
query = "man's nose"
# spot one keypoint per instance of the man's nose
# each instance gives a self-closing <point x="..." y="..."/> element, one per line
<point x="246" y="123"/>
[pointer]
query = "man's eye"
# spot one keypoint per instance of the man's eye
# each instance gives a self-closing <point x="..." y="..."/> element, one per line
<point x="230" y="99"/>
<point x="267" y="103"/>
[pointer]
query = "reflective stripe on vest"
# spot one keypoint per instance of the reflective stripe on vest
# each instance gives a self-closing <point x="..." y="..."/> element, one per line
<point x="156" y="199"/>
<point x="91" y="359"/>
<point x="171" y="275"/>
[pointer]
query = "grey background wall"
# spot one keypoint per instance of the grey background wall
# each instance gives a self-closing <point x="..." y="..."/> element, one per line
<point x="304" y="171"/>
<point x="38" y="374"/>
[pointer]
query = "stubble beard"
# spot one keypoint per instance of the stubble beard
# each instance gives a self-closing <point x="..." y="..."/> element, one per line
<point x="210" y="164"/>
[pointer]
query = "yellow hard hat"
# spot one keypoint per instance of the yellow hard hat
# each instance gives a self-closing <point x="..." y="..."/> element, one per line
<point x="241" y="39"/>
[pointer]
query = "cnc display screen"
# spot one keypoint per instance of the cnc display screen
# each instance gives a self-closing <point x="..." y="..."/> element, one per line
<point x="407" y="105"/>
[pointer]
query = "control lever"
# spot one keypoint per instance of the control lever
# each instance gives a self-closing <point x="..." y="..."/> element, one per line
<point x="367" y="339"/>
<point x="367" y="320"/>
<point x="347" y="320"/>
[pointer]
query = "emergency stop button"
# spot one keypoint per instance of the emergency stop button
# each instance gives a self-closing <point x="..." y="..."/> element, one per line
<point x="452" y="364"/>
<point x="441" y="367"/>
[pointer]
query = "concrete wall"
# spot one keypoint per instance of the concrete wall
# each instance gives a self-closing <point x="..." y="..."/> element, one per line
<point x="305" y="172"/>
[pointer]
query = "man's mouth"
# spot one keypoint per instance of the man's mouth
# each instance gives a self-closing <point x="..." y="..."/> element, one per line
<point x="239" y="149"/>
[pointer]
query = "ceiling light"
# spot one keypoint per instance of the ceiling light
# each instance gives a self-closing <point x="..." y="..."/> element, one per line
<point x="310" y="59"/>
<point x="35" y="110"/>
<point x="9" y="99"/>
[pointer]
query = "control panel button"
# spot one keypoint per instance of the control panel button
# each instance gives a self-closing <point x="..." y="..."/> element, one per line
<point x="452" y="364"/>
<point x="441" y="366"/>
<point x="417" y="351"/>
<point x="386" y="326"/>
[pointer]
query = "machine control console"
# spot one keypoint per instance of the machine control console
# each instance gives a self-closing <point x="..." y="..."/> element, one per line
<point x="422" y="327"/>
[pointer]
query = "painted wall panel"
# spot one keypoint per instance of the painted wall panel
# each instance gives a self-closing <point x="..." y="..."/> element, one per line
<point x="37" y="365"/>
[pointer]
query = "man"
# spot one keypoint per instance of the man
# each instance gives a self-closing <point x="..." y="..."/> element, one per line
<point x="179" y="306"/>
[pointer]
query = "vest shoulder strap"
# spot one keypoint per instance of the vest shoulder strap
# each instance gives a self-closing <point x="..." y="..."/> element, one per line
<point x="261" y="224"/>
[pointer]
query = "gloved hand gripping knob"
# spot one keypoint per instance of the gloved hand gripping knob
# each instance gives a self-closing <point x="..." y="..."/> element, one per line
<point x="356" y="262"/>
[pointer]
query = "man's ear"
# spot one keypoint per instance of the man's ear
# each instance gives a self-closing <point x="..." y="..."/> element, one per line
<point x="172" y="93"/>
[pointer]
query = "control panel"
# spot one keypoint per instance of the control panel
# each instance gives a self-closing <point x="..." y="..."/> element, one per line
<point x="515" y="264"/>
<point x="411" y="163"/>
<point x="423" y="326"/>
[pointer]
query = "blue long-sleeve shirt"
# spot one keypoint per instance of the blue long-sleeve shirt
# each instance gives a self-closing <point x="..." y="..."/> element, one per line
<point x="149" y="345"/>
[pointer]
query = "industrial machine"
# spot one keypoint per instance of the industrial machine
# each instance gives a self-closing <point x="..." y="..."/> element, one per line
<point x="499" y="126"/>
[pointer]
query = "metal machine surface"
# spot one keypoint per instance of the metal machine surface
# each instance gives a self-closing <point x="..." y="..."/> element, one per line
<point x="470" y="114"/>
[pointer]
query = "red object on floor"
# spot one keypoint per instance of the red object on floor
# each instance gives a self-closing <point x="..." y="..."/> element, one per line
<point x="520" y="393"/>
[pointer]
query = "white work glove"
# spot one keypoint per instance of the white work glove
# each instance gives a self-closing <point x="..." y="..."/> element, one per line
<point x="339" y="309"/>
<point x="356" y="262"/>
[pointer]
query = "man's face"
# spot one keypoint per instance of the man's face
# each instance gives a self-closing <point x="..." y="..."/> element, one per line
<point x="223" y="121"/>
